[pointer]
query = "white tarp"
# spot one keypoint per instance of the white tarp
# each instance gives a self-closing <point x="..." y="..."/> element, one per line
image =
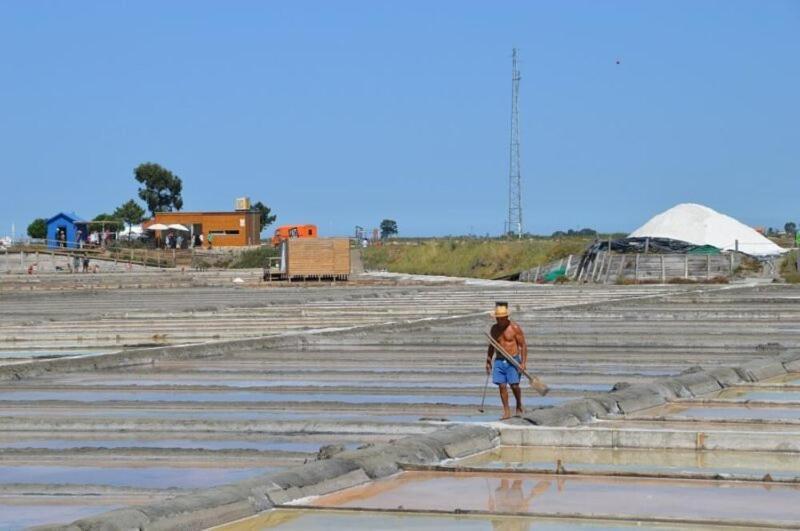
<point x="133" y="230"/>
<point x="700" y="225"/>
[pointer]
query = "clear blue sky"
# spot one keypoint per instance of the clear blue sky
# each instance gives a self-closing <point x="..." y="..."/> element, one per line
<point x="343" y="113"/>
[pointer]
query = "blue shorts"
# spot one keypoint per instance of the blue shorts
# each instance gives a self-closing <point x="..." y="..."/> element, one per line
<point x="505" y="373"/>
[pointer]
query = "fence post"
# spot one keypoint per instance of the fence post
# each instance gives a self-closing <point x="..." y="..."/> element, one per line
<point x="569" y="263"/>
<point x="646" y="245"/>
<point x="536" y="275"/>
<point x="708" y="266"/>
<point x="663" y="271"/>
<point x="636" y="269"/>
<point x="603" y="263"/>
<point x="621" y="270"/>
<point x="731" y="265"/>
<point x="594" y="266"/>
<point x="686" y="266"/>
<point x="608" y="266"/>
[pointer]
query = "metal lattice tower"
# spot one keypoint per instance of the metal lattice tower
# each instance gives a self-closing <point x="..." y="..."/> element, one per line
<point x="514" y="222"/>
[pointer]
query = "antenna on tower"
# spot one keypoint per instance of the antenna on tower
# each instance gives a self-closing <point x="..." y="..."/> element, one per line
<point x="514" y="222"/>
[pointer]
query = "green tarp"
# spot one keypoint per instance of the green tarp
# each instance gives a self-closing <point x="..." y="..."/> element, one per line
<point x="704" y="249"/>
<point x="554" y="274"/>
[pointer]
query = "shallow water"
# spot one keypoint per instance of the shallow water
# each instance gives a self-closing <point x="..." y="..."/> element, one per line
<point x="143" y="477"/>
<point x="323" y="384"/>
<point x="49" y="510"/>
<point x="247" y="383"/>
<point x="741" y="395"/>
<point x="551" y="494"/>
<point x="754" y="464"/>
<point x="258" y="396"/>
<point x="321" y="520"/>
<point x="56" y="443"/>
<point x="738" y="413"/>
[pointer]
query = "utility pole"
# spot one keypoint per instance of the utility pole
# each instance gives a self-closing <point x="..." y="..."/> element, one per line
<point x="514" y="222"/>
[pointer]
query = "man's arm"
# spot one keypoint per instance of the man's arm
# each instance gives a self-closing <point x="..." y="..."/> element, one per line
<point x="522" y="346"/>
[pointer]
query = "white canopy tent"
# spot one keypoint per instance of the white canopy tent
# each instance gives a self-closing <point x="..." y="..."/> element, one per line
<point x="133" y="231"/>
<point x="158" y="226"/>
<point x="700" y="225"/>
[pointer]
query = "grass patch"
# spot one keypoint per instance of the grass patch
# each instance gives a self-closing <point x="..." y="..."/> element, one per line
<point x="789" y="268"/>
<point x="470" y="257"/>
<point x="253" y="258"/>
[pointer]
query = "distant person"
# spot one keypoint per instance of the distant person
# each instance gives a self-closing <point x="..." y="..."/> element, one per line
<point x="76" y="263"/>
<point x="510" y="336"/>
<point x="210" y="240"/>
<point x="79" y="239"/>
<point x="85" y="264"/>
<point x="179" y="242"/>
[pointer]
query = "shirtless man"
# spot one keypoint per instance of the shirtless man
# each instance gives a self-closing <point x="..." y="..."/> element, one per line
<point x="510" y="336"/>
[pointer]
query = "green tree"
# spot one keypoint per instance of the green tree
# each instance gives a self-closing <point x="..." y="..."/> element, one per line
<point x="267" y="217"/>
<point x="38" y="228"/>
<point x="388" y="228"/>
<point x="790" y="227"/>
<point x="161" y="189"/>
<point x="110" y="222"/>
<point x="131" y="213"/>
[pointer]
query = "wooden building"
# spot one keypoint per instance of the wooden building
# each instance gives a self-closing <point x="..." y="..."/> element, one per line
<point x="312" y="259"/>
<point x="227" y="229"/>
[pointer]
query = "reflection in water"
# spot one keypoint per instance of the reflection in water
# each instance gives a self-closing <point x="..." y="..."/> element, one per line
<point x="510" y="497"/>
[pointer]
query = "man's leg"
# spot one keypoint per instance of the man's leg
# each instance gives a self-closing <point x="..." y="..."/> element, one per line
<point x="518" y="397"/>
<point x="504" y="398"/>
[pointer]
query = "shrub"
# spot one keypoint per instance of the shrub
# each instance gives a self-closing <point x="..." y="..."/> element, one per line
<point x="253" y="258"/>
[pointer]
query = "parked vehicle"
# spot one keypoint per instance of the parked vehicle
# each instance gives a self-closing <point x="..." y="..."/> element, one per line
<point x="286" y="232"/>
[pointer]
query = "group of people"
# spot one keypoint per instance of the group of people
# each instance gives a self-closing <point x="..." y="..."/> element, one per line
<point x="92" y="239"/>
<point x="81" y="263"/>
<point x="175" y="240"/>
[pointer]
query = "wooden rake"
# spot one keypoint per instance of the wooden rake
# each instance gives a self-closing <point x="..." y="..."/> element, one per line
<point x="536" y="383"/>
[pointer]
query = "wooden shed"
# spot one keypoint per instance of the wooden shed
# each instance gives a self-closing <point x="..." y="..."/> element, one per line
<point x="315" y="259"/>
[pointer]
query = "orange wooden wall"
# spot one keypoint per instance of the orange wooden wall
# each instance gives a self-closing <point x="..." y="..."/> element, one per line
<point x="246" y="222"/>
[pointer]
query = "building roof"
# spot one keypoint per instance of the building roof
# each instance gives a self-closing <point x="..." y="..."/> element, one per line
<point x="206" y="213"/>
<point x="70" y="216"/>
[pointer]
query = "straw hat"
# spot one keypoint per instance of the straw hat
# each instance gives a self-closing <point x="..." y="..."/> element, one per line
<point x="501" y="309"/>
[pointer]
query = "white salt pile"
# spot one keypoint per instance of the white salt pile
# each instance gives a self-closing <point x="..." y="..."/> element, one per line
<point x="700" y="225"/>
